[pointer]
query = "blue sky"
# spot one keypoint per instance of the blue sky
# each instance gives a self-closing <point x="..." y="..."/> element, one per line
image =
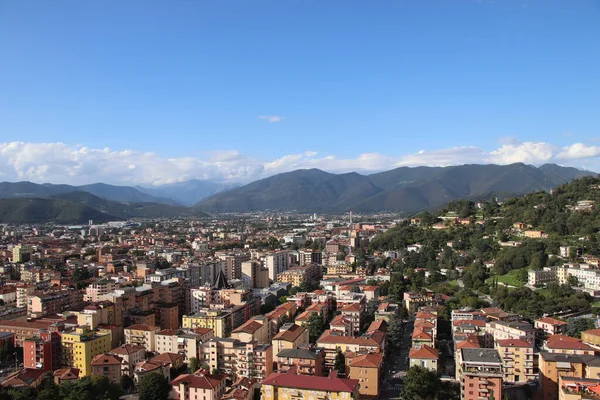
<point x="156" y="91"/>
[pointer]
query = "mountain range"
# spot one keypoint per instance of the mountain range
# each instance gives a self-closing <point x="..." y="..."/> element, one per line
<point x="402" y="189"/>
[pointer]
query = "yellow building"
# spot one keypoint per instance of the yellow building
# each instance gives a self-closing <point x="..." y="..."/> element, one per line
<point x="366" y="368"/>
<point x="289" y="337"/>
<point x="142" y="335"/>
<point x="79" y="347"/>
<point x="591" y="337"/>
<point x="519" y="360"/>
<point x="290" y="386"/>
<point x="219" y="321"/>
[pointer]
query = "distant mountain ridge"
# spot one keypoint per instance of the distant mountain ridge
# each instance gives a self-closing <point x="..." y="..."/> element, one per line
<point x="188" y="192"/>
<point x="402" y="189"/>
<point x="121" y="194"/>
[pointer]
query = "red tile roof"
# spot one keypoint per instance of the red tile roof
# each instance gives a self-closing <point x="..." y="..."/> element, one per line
<point x="290" y="334"/>
<point x="142" y="327"/>
<point x="106" y="359"/>
<point x="593" y="332"/>
<point x="551" y="321"/>
<point x="309" y="382"/>
<point x="425" y="352"/>
<point x="166" y="358"/>
<point x="250" y="327"/>
<point x="475" y="322"/>
<point x="372" y="360"/>
<point x="199" y="381"/>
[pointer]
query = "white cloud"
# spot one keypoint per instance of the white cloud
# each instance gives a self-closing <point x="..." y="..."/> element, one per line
<point x="77" y="164"/>
<point x="271" y="118"/>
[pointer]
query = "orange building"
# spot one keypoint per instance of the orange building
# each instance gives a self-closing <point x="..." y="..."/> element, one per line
<point x="480" y="374"/>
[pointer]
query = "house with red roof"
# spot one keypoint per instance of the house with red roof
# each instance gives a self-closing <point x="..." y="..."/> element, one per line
<point x="550" y="326"/>
<point x="199" y="386"/>
<point x="291" y="385"/>
<point x="425" y="356"/>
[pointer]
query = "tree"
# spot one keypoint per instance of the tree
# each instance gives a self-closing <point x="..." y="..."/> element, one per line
<point x="395" y="332"/>
<point x="216" y="371"/>
<point x="316" y="327"/>
<point x="420" y="384"/>
<point x="126" y="383"/>
<point x="154" y="387"/>
<point x="340" y="362"/>
<point x="577" y="325"/>
<point x="193" y="364"/>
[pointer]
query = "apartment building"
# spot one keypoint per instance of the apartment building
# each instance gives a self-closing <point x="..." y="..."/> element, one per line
<point x="130" y="355"/>
<point x="519" y="360"/>
<point x="219" y="320"/>
<point x="199" y="387"/>
<point x="480" y="374"/>
<point x="290" y="336"/>
<point x="331" y="341"/>
<point x="238" y="359"/>
<point x="80" y="346"/>
<point x="550" y="326"/>
<point x="290" y="385"/>
<point x="254" y="275"/>
<point x="258" y="328"/>
<point x="99" y="288"/>
<point x="425" y="357"/>
<point x="42" y="352"/>
<point x="308" y="361"/>
<point x="277" y="263"/>
<point x="142" y="335"/>
<point x="298" y="275"/>
<point x="366" y="369"/>
<point x="107" y="365"/>
<point x="500" y="330"/>
<point x="553" y="366"/>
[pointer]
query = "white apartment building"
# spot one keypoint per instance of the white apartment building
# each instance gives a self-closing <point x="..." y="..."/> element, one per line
<point x="99" y="288"/>
<point x="541" y="277"/>
<point x="277" y="263"/>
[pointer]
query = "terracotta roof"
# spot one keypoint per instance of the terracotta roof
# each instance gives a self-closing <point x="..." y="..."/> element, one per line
<point x="310" y="382"/>
<point x="290" y="334"/>
<point x="167" y="332"/>
<point x="475" y="322"/>
<point x="146" y="366"/>
<point x="339" y="320"/>
<point x="425" y="352"/>
<point x="372" y="360"/>
<point x="353" y="307"/>
<point x="22" y="378"/>
<point x="371" y="288"/>
<point x="250" y="327"/>
<point x="142" y="327"/>
<point x="468" y="344"/>
<point x="551" y="321"/>
<point x="593" y="332"/>
<point x="166" y="358"/>
<point x="383" y="306"/>
<point x="421" y="334"/>
<point x="66" y="373"/>
<point x="425" y="315"/>
<point x="106" y="359"/>
<point x="379" y="325"/>
<point x="514" y="343"/>
<point x="127" y="349"/>
<point x="304" y="316"/>
<point x="202" y="331"/>
<point x="199" y="381"/>
<point x="373" y="339"/>
<point x="424" y="324"/>
<point x="566" y="342"/>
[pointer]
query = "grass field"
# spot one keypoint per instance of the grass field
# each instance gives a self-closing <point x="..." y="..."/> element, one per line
<point x="511" y="278"/>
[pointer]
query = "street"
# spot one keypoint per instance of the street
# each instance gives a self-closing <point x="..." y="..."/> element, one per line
<point x="397" y="364"/>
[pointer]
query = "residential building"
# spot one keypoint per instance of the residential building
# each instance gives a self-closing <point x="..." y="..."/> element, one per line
<point x="500" y="330"/>
<point x="230" y="356"/>
<point x="519" y="360"/>
<point x="142" y="335"/>
<point x="277" y="263"/>
<point x="258" y="328"/>
<point x="254" y="275"/>
<point x="130" y="356"/>
<point x="107" y="365"/>
<point x="24" y="378"/>
<point x="480" y="374"/>
<point x="219" y="320"/>
<point x="541" y="277"/>
<point x="366" y="369"/>
<point x="199" y="387"/>
<point x="552" y="366"/>
<point x="80" y="346"/>
<point x="591" y="337"/>
<point x="425" y="356"/>
<point x="42" y="352"/>
<point x="290" y="336"/>
<point x="308" y="361"/>
<point x="550" y="326"/>
<point x="65" y="375"/>
<point x="290" y="385"/>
